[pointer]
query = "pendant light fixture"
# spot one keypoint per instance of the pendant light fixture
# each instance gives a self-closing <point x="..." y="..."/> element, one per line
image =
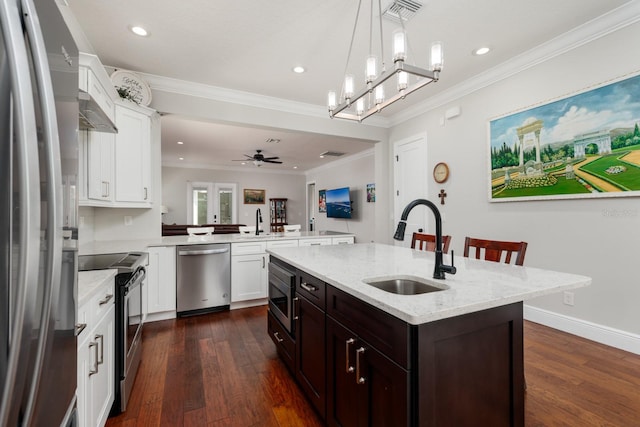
<point x="359" y="104"/>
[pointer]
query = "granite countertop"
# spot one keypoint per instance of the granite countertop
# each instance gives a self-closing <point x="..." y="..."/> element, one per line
<point x="90" y="282"/>
<point x="478" y="285"/>
<point x="114" y="246"/>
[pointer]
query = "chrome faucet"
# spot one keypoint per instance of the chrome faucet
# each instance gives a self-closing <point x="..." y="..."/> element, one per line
<point x="440" y="268"/>
<point x="258" y="220"/>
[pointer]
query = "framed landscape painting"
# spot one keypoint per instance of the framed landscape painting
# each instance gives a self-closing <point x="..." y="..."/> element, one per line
<point x="253" y="197"/>
<point x="584" y="145"/>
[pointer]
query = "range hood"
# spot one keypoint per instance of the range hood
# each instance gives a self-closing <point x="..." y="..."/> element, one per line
<point x="91" y="115"/>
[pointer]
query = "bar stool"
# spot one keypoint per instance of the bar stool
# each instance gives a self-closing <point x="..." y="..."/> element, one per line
<point x="493" y="250"/>
<point x="427" y="242"/>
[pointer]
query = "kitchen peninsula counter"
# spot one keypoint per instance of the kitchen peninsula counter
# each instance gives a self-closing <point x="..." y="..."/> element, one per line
<point x="113" y="246"/>
<point x="478" y="285"/>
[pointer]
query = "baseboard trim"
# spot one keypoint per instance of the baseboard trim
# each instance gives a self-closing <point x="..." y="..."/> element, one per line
<point x="247" y="304"/>
<point x="592" y="331"/>
<point x="163" y="315"/>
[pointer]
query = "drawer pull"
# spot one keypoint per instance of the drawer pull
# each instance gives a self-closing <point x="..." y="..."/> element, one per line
<point x="359" y="379"/>
<point x="106" y="299"/>
<point x="348" y="342"/>
<point x="80" y="327"/>
<point x="277" y="337"/>
<point x="95" y="353"/>
<point x="295" y="305"/>
<point x="101" y="338"/>
<point x="307" y="287"/>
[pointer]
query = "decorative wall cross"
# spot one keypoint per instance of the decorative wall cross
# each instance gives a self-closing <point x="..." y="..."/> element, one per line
<point x="442" y="195"/>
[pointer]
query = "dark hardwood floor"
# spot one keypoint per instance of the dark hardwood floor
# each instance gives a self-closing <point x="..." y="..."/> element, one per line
<point x="222" y="369"/>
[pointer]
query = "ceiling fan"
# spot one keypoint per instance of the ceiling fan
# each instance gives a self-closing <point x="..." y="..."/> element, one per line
<point x="258" y="159"/>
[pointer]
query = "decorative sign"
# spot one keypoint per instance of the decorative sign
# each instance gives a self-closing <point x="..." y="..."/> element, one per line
<point x="131" y="86"/>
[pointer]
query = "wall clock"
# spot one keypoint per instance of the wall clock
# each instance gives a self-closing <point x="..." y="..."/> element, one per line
<point x="441" y="172"/>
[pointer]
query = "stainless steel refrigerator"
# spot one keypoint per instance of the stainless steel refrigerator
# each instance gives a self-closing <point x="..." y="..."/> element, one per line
<point x="38" y="215"/>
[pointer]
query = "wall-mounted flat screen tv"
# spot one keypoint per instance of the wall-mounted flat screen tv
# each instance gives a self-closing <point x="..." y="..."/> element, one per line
<point x="338" y="203"/>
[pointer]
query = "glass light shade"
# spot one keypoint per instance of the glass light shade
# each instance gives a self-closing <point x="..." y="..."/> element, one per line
<point x="399" y="45"/>
<point x="371" y="71"/>
<point x="360" y="106"/>
<point x="332" y="101"/>
<point x="437" y="58"/>
<point x="379" y="94"/>
<point x="403" y="80"/>
<point x="348" y="86"/>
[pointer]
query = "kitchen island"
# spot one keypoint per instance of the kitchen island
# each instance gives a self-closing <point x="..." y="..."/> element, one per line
<point x="450" y="357"/>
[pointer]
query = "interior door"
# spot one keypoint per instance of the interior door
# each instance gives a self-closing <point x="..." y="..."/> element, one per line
<point x="410" y="180"/>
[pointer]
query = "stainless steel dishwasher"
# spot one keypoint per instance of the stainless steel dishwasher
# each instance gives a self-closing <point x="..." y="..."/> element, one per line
<point x="203" y="278"/>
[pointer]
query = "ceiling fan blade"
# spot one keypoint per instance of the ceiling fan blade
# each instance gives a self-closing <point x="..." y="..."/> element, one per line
<point x="271" y="158"/>
<point x="271" y="161"/>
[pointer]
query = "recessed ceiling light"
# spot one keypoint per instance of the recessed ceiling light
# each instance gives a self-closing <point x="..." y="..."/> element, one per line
<point x="180" y="143"/>
<point x="481" y="51"/>
<point x="180" y="158"/>
<point x="295" y="167"/>
<point x="243" y="163"/>
<point x="139" y="31"/>
<point x="321" y="156"/>
<point x="298" y="69"/>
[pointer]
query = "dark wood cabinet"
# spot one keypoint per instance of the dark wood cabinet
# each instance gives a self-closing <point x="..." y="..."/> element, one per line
<point x="364" y="387"/>
<point x="310" y="352"/>
<point x="361" y="366"/>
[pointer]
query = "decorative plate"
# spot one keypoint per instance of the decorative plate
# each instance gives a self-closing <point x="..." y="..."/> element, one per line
<point x="138" y="90"/>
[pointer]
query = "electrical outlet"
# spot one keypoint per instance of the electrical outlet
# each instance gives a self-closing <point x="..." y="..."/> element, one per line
<point x="568" y="298"/>
<point x="128" y="220"/>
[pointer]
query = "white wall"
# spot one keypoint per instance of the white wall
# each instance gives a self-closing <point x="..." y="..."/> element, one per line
<point x="276" y="185"/>
<point x="565" y="235"/>
<point x="355" y="172"/>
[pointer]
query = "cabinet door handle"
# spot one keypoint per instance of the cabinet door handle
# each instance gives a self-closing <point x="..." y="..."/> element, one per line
<point x="295" y="305"/>
<point x="106" y="299"/>
<point x="277" y="337"/>
<point x="307" y="287"/>
<point x="348" y="342"/>
<point x="105" y="191"/>
<point x="263" y="263"/>
<point x="145" y="193"/>
<point x="101" y="338"/>
<point x="95" y="353"/>
<point x="359" y="379"/>
<point x="80" y="327"/>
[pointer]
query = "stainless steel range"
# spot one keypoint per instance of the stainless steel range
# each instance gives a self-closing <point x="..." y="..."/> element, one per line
<point x="129" y="316"/>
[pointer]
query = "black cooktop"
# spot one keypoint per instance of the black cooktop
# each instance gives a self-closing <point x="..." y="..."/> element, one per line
<point x="126" y="262"/>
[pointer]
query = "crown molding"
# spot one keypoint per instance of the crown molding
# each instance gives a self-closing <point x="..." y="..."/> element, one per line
<point x="216" y="93"/>
<point x="248" y="169"/>
<point x="601" y="26"/>
<point x="339" y="162"/>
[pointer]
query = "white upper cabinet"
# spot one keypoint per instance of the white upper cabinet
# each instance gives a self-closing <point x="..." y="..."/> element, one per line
<point x="133" y="154"/>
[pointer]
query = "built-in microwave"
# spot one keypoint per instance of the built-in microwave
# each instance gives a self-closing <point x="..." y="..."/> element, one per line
<point x="282" y="283"/>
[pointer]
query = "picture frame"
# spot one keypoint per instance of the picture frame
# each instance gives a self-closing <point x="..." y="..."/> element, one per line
<point x="371" y="193"/>
<point x="322" y="201"/>
<point x="254" y="197"/>
<point x="584" y="145"/>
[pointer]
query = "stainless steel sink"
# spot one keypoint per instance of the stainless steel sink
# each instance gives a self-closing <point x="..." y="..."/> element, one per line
<point x="404" y="285"/>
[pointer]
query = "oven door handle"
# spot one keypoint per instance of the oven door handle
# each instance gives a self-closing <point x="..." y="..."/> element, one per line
<point x="136" y="279"/>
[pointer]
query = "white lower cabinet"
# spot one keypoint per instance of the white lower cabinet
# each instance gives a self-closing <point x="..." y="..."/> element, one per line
<point x="161" y="279"/>
<point x="96" y="367"/>
<point x="315" y="241"/>
<point x="348" y="240"/>
<point x="249" y="271"/>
